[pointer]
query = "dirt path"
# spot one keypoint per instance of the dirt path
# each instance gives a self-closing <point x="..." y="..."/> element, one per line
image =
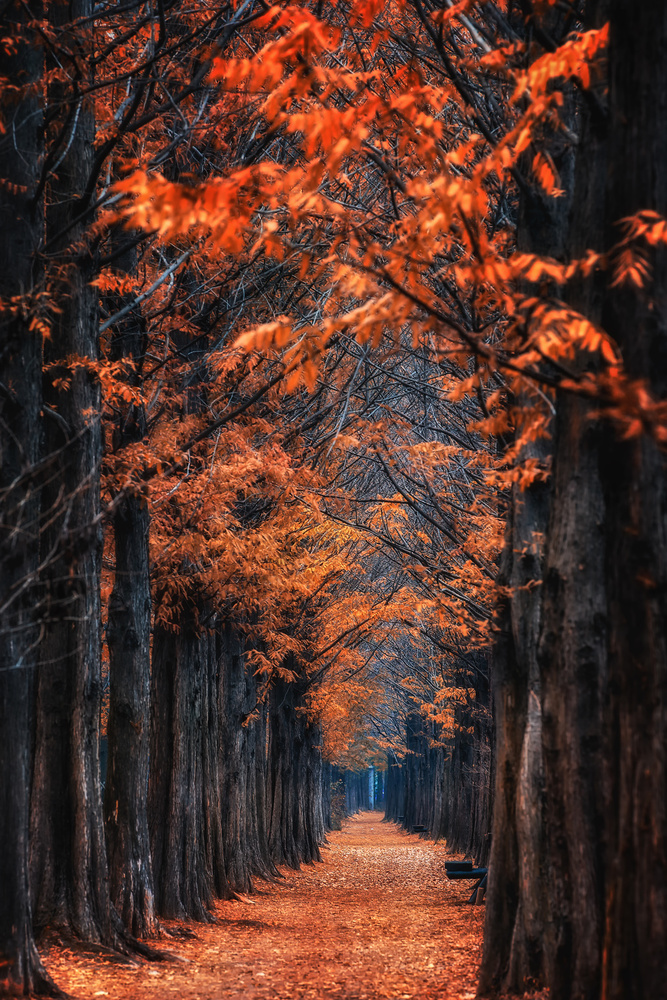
<point x="376" y="920"/>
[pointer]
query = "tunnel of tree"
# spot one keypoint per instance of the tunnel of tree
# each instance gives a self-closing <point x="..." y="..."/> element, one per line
<point x="333" y="419"/>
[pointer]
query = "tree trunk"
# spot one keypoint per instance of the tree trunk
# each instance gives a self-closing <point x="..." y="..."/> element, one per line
<point x="395" y="793"/>
<point x="267" y="867"/>
<point x="128" y="640"/>
<point x="214" y="846"/>
<point x="181" y="838"/>
<point x="237" y="703"/>
<point x="635" y="480"/>
<point x="68" y="853"/>
<point x="294" y="782"/>
<point x="516" y="907"/>
<point x="282" y="842"/>
<point x="516" y="945"/>
<point x="22" y="225"/>
<point x="126" y="791"/>
<point x="572" y="649"/>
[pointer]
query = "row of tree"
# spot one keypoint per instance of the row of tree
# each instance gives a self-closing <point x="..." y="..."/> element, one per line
<point x="141" y="508"/>
<point x="186" y="582"/>
<point x="322" y="346"/>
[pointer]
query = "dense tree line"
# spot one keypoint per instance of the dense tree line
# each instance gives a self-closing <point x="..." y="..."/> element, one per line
<point x="333" y="427"/>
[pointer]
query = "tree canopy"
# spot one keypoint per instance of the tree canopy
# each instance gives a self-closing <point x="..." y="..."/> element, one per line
<point x="333" y="427"/>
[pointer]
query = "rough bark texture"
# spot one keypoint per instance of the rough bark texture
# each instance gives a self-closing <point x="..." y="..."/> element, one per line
<point x="181" y="840"/>
<point x="68" y="854"/>
<point x="128" y="640"/>
<point x="294" y="778"/>
<point x="572" y="654"/>
<point x="21" y="224"/>
<point x="635" y="480"/>
<point x="126" y="790"/>
<point x="517" y="928"/>
<point x="236" y="746"/>
<point x="572" y="649"/>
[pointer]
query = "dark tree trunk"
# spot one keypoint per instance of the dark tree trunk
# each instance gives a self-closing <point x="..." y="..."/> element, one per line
<point x="22" y="227"/>
<point x="266" y="868"/>
<point x="128" y="640"/>
<point x="514" y="935"/>
<point x="256" y="841"/>
<point x="635" y="480"/>
<point x="517" y="928"/>
<point x="68" y="853"/>
<point x="316" y="790"/>
<point x="395" y="793"/>
<point x="281" y="808"/>
<point x="236" y="735"/>
<point x="327" y="781"/>
<point x="243" y="767"/>
<point x="294" y="785"/>
<point x="126" y="791"/>
<point x="482" y="774"/>
<point x="182" y="829"/>
<point x="308" y="789"/>
<point x="213" y="806"/>
<point x="572" y="649"/>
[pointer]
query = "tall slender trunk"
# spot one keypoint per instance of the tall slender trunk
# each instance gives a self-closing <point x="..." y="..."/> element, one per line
<point x="126" y="790"/>
<point x="181" y="839"/>
<point x="573" y="646"/>
<point x="282" y="807"/>
<point x="517" y="926"/>
<point x="214" y="841"/>
<point x="128" y="640"/>
<point x="635" y="481"/>
<point x="267" y="867"/>
<point x="68" y="853"/>
<point x="395" y="794"/>
<point x="236" y="705"/>
<point x="515" y="929"/>
<point x="22" y="226"/>
<point x="294" y="781"/>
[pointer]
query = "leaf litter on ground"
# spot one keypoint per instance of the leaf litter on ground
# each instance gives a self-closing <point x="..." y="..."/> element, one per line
<point x="377" y="920"/>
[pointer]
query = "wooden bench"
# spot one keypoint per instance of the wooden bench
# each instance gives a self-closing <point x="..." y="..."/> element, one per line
<point x="467" y="870"/>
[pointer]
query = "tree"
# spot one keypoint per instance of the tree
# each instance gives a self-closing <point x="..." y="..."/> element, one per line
<point x="23" y="324"/>
<point x="128" y="640"/>
<point x="67" y="844"/>
<point x="373" y="283"/>
<point x="634" y="484"/>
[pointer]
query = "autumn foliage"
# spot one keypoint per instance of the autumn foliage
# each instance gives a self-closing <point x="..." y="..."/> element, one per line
<point x="315" y="384"/>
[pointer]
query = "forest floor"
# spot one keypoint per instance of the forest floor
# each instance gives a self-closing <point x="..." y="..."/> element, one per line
<point x="378" y="919"/>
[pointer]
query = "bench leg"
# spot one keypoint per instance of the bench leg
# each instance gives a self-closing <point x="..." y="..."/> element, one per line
<point x="473" y="895"/>
<point x="478" y="892"/>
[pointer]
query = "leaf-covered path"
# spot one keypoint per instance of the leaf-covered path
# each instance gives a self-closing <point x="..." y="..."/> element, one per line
<point x="376" y="920"/>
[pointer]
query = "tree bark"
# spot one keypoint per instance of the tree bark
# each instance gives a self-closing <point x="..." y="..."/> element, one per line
<point x="22" y="226"/>
<point x="68" y="853"/>
<point x="237" y="703"/>
<point x="635" y="483"/>
<point x="126" y="790"/>
<point x="128" y="640"/>
<point x="294" y="780"/>
<point x="573" y="644"/>
<point x="517" y="926"/>
<point x="282" y="843"/>
<point x="181" y="839"/>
